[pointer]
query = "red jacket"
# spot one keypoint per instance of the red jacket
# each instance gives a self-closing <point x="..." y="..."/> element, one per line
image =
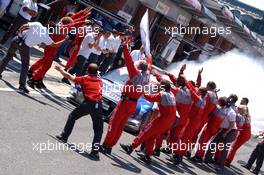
<point x="166" y="103"/>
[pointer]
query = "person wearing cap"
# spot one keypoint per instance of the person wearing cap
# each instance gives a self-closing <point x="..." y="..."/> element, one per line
<point x="92" y="90"/>
<point x="138" y="77"/>
<point x="29" y="35"/>
<point x="28" y="10"/>
<point x="113" y="45"/>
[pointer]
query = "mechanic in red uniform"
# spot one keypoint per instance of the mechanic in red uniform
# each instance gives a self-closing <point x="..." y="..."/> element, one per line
<point x="212" y="127"/>
<point x="92" y="104"/>
<point x="138" y="76"/>
<point x="211" y="102"/>
<point x="183" y="103"/>
<point x="195" y="115"/>
<point x="244" y="131"/>
<point x="167" y="150"/>
<point x="167" y="107"/>
<point x="38" y="70"/>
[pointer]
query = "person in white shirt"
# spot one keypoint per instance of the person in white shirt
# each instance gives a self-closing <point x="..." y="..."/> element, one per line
<point x="226" y="136"/>
<point x="138" y="54"/>
<point x="3" y="6"/>
<point x="84" y="53"/>
<point x="29" y="35"/>
<point x="113" y="46"/>
<point x="28" y="10"/>
<point x="99" y="49"/>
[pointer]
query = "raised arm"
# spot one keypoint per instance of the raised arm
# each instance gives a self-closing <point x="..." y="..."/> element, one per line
<point x="172" y="78"/>
<point x="153" y="97"/>
<point x="199" y="78"/>
<point x="131" y="68"/>
<point x="150" y="62"/>
<point x="158" y="76"/>
<point x="195" y="97"/>
<point x="182" y="70"/>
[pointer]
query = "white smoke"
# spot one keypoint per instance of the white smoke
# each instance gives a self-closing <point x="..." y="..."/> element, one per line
<point x="233" y="72"/>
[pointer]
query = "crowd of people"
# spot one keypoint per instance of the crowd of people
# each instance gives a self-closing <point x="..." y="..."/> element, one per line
<point x="193" y="120"/>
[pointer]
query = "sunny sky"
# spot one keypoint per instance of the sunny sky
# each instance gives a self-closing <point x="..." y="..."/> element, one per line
<point x="255" y="3"/>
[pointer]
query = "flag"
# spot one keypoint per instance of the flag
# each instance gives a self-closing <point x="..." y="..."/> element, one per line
<point x="144" y="32"/>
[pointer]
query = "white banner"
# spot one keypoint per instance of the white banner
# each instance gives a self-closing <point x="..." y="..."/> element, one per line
<point x="144" y="32"/>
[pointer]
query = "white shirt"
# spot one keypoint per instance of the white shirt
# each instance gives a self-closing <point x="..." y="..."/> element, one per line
<point x="116" y="42"/>
<point x="230" y="117"/>
<point x="84" y="49"/>
<point x="29" y="4"/>
<point x="137" y="55"/>
<point x="101" y="45"/>
<point x="36" y="34"/>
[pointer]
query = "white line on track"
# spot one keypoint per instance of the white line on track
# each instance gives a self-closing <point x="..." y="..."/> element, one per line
<point x="35" y="93"/>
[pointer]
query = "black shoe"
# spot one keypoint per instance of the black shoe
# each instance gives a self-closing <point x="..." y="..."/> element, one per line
<point x="156" y="152"/>
<point x="177" y="159"/>
<point x="62" y="139"/>
<point x="209" y="160"/>
<point x="94" y="155"/>
<point x="40" y="85"/>
<point x="196" y="159"/>
<point x="31" y="83"/>
<point x="246" y="166"/>
<point x="127" y="148"/>
<point x="0" y="76"/>
<point x="188" y="154"/>
<point x="105" y="150"/>
<point x="166" y="150"/>
<point x="66" y="81"/>
<point x="23" y="89"/>
<point x="29" y="74"/>
<point x="220" y="170"/>
<point x="57" y="60"/>
<point x="256" y="172"/>
<point x="145" y="159"/>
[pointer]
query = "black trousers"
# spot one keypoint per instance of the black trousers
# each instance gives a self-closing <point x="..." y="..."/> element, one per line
<point x="78" y="68"/>
<point x="257" y="154"/>
<point x="18" y="22"/>
<point x="107" y="62"/>
<point x="24" y="52"/>
<point x="230" y="137"/>
<point x="95" y="111"/>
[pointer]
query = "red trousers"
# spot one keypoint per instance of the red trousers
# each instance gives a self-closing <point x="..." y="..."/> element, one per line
<point x="210" y="130"/>
<point x="155" y="128"/>
<point x="121" y="114"/>
<point x="73" y="57"/>
<point x="243" y="136"/>
<point x="190" y="131"/>
<point x="177" y="133"/>
<point x="41" y="66"/>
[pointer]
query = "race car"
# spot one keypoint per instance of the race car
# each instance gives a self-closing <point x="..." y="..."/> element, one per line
<point x="112" y="86"/>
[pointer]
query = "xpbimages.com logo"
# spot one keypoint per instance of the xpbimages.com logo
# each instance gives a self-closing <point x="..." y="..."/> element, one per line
<point x="190" y="30"/>
<point x="43" y="147"/>
<point x="57" y="30"/>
